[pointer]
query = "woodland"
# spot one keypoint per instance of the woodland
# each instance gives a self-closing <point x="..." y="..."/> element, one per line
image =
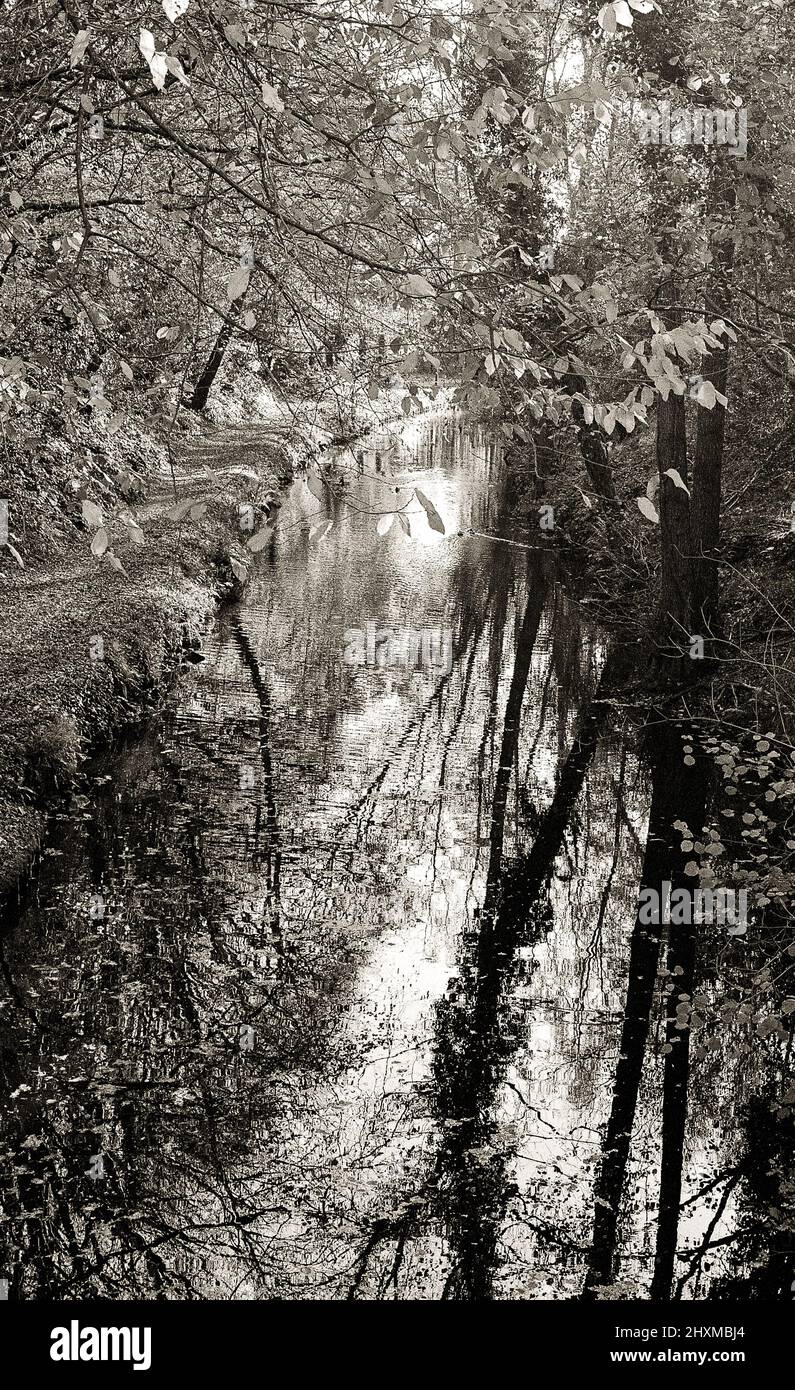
<point x="238" y="243"/>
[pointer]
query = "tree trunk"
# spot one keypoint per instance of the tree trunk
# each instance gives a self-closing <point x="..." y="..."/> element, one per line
<point x="591" y="439"/>
<point x="673" y="613"/>
<point x="672" y="620"/>
<point x="708" y="462"/>
<point x="207" y="376"/>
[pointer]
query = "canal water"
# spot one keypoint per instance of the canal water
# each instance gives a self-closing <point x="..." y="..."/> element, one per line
<point x="321" y="988"/>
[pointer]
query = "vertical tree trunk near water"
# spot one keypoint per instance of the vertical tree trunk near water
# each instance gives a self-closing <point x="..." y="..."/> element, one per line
<point x="708" y="462"/>
<point x="672" y="623"/>
<point x="706" y="495"/>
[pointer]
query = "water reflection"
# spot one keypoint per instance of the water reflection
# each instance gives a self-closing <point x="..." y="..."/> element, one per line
<point x="329" y="986"/>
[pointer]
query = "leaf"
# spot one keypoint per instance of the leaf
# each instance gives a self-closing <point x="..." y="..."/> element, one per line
<point x="706" y="395"/>
<point x="78" y="50"/>
<point x="197" y="511"/>
<point x="653" y="486"/>
<point x="15" y="200"/>
<point x="316" y="488"/>
<point x="607" y="18"/>
<point x="237" y="284"/>
<point x="158" y="68"/>
<point x="647" y="508"/>
<point x="147" y="45"/>
<point x="92" y="514"/>
<point x="236" y="35"/>
<point x="434" y="520"/>
<point x="385" y="523"/>
<point x="15" y="554"/>
<point x="100" y="542"/>
<point x="718" y="326"/>
<point x="180" y="511"/>
<point x="157" y="61"/>
<point x="418" y="287"/>
<point x="115" y="563"/>
<point x="404" y="522"/>
<point x="175" y="67"/>
<point x="623" y="14"/>
<point x="586" y="500"/>
<point x="271" y="98"/>
<point x="239" y="570"/>
<point x="175" y="8"/>
<point x="135" y="533"/>
<point x="676" y="479"/>
<point x="321" y="530"/>
<point x="260" y="539"/>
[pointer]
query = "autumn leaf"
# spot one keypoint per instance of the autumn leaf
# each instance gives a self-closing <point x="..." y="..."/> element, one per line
<point x="147" y="45"/>
<point x="434" y="520"/>
<point x="180" y="511"/>
<point x="100" y="542"/>
<point x="676" y="479"/>
<point x="78" y="51"/>
<point x="418" y="287"/>
<point x="648" y="509"/>
<point x="115" y="563"/>
<point x="175" y="8"/>
<point x="260" y="539"/>
<point x="316" y="488"/>
<point x="271" y="99"/>
<point x="237" y="284"/>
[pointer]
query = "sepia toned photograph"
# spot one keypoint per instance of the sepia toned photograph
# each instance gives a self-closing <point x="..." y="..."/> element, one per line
<point x="397" y="751"/>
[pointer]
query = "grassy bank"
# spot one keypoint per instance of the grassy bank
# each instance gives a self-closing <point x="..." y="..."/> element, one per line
<point x="92" y="641"/>
<point x="90" y="649"/>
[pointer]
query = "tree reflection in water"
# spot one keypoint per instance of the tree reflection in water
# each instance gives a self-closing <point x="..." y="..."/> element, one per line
<point x="329" y="986"/>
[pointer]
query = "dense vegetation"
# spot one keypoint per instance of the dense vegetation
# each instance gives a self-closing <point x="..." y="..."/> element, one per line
<point x="346" y="208"/>
<point x="360" y="190"/>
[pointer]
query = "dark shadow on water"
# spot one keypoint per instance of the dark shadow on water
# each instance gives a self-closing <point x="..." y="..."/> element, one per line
<point x="334" y="985"/>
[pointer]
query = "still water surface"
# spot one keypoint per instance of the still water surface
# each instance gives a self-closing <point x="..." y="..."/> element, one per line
<point x="318" y="988"/>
